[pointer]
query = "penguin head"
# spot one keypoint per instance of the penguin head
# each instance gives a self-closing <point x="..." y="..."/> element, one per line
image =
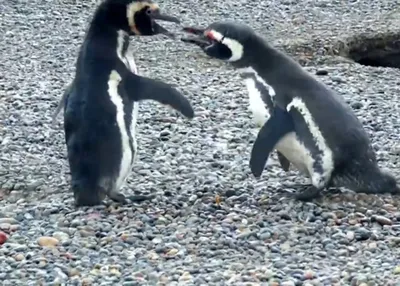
<point x="137" y="17"/>
<point x="225" y="41"/>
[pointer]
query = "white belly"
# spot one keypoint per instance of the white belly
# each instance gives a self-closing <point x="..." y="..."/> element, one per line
<point x="126" y="160"/>
<point x="256" y="104"/>
<point x="296" y="153"/>
<point x="135" y="110"/>
<point x="289" y="145"/>
<point x="128" y="157"/>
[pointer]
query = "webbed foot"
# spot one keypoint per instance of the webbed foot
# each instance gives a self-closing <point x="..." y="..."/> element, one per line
<point x="123" y="200"/>
<point x="306" y="193"/>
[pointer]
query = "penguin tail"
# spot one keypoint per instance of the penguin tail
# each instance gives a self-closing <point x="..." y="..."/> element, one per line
<point x="389" y="183"/>
<point x="144" y="88"/>
<point x="380" y="182"/>
<point x="62" y="103"/>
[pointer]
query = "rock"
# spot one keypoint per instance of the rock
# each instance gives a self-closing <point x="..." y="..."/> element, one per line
<point x="19" y="257"/>
<point x="350" y="235"/>
<point x="338" y="79"/>
<point x="186" y="276"/>
<point x="61" y="236"/>
<point x="3" y="237"/>
<point x="8" y="220"/>
<point x="14" y="227"/>
<point x="172" y="252"/>
<point x="308" y="274"/>
<point x="382" y="220"/>
<point x="362" y="233"/>
<point x="357" y="105"/>
<point x="115" y="272"/>
<point x="47" y="241"/>
<point x="395" y="241"/>
<point x="87" y="281"/>
<point x="60" y="274"/>
<point x="321" y="72"/>
<point x="157" y="240"/>
<point x="396" y="270"/>
<point x="86" y="233"/>
<point x="73" y="272"/>
<point x="5" y="226"/>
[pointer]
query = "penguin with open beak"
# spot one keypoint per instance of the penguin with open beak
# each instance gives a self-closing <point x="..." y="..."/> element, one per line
<point x="101" y="104"/>
<point x="141" y="20"/>
<point x="309" y="125"/>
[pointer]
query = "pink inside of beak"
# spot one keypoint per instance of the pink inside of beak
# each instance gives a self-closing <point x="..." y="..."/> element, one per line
<point x="209" y="34"/>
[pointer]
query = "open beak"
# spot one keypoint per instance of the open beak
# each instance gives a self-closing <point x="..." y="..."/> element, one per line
<point x="197" y="37"/>
<point x="158" y="29"/>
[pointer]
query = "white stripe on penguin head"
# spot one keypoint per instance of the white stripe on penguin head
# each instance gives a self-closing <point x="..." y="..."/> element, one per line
<point x="235" y="47"/>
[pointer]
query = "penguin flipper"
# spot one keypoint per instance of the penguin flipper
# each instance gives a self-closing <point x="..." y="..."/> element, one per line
<point x="278" y="125"/>
<point x="61" y="103"/>
<point x="144" y="88"/>
<point x="285" y="163"/>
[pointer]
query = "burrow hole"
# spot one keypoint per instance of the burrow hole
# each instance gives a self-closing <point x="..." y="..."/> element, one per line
<point x="382" y="51"/>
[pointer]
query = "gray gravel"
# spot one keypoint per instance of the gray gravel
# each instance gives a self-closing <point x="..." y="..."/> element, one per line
<point x="255" y="237"/>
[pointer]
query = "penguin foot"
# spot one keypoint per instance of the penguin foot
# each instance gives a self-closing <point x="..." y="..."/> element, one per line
<point x="296" y="186"/>
<point x="308" y="193"/>
<point x="140" y="198"/>
<point x="88" y="201"/>
<point x="118" y="198"/>
<point x="123" y="200"/>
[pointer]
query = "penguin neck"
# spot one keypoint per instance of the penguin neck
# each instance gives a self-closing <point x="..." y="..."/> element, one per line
<point x="104" y="38"/>
<point x="268" y="61"/>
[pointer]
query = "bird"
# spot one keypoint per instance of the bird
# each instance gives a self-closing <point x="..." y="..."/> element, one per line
<point x="101" y="103"/>
<point x="310" y="125"/>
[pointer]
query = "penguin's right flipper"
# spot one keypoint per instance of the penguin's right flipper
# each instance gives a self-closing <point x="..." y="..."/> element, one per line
<point x="143" y="88"/>
<point x="61" y="103"/>
<point x="277" y="126"/>
<point x="285" y="163"/>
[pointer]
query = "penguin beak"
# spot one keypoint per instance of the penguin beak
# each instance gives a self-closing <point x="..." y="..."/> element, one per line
<point x="158" y="29"/>
<point x="157" y="15"/>
<point x="197" y="37"/>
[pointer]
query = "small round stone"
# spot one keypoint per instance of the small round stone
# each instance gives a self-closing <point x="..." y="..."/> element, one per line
<point x="47" y="241"/>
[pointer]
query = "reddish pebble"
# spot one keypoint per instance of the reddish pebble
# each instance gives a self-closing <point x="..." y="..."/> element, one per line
<point x="68" y="255"/>
<point x="309" y="274"/>
<point x="94" y="215"/>
<point x="179" y="236"/>
<point x="3" y="237"/>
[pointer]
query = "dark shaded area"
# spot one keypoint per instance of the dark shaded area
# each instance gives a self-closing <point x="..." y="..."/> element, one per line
<point x="381" y="55"/>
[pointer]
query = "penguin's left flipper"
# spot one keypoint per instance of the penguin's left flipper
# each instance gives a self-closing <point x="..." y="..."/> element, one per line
<point x="277" y="126"/>
<point x="61" y="103"/>
<point x="285" y="163"/>
<point x="144" y="88"/>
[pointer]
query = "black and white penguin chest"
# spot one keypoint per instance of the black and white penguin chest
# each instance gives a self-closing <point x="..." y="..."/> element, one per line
<point x="261" y="104"/>
<point x="127" y="134"/>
